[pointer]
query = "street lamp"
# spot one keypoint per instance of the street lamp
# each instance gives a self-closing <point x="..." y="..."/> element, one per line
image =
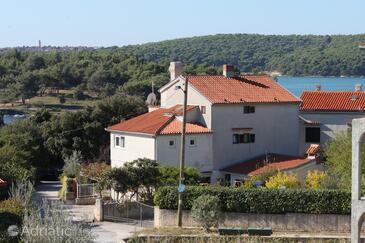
<point x="182" y="155"/>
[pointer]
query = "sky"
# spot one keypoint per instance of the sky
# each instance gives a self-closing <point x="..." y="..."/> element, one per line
<point x="122" y="22"/>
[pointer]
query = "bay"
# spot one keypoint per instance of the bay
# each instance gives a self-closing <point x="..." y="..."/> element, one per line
<point x="297" y="85"/>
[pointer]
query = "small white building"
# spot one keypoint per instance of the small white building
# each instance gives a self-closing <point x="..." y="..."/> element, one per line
<point x="232" y="118"/>
<point x="323" y="114"/>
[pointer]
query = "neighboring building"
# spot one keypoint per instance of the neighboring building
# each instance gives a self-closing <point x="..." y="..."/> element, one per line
<point x="231" y="119"/>
<point x="324" y="114"/>
<point x="299" y="165"/>
<point x="156" y="135"/>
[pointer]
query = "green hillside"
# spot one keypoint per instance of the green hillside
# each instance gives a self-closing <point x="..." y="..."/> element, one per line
<point x="291" y="54"/>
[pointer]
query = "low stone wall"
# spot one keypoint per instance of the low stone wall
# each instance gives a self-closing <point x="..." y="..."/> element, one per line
<point x="85" y="200"/>
<point x="278" y="222"/>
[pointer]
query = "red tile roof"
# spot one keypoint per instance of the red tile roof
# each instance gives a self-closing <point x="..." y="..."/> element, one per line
<point x="160" y="121"/>
<point x="333" y="100"/>
<point x="259" y="164"/>
<point x="175" y="126"/>
<point x="249" y="88"/>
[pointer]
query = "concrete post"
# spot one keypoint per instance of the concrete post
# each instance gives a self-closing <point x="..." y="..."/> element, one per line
<point x="357" y="204"/>
<point x="98" y="210"/>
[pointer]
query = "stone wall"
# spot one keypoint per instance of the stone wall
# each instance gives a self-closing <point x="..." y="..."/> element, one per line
<point x="85" y="201"/>
<point x="278" y="222"/>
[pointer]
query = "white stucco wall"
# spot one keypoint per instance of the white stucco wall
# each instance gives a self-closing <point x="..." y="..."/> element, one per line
<point x="136" y="146"/>
<point x="276" y="127"/>
<point x="332" y="123"/>
<point x="199" y="156"/>
<point x="171" y="97"/>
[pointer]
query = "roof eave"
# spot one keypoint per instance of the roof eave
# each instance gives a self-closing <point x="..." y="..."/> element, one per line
<point x="131" y="132"/>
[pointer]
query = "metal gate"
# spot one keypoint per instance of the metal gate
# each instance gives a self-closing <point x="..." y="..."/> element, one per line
<point x="129" y="212"/>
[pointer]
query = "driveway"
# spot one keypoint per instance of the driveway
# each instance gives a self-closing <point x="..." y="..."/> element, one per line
<point x="105" y="232"/>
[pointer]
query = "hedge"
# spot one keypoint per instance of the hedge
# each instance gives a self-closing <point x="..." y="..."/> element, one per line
<point x="261" y="200"/>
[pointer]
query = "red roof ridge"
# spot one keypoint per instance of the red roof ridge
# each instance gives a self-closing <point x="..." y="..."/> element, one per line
<point x="165" y="124"/>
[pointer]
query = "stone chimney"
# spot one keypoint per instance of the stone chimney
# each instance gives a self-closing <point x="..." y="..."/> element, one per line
<point x="318" y="87"/>
<point x="175" y="70"/>
<point x="358" y="87"/>
<point x="229" y="71"/>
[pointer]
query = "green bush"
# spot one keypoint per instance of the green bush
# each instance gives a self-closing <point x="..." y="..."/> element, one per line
<point x="206" y="211"/>
<point x="261" y="200"/>
<point x="11" y="213"/>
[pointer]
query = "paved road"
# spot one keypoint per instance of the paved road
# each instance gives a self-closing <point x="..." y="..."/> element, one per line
<point x="105" y="232"/>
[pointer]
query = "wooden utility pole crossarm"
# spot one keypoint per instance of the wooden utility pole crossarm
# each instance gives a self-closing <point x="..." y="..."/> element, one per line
<point x="182" y="156"/>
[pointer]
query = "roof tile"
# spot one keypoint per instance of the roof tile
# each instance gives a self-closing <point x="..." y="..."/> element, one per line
<point x="259" y="164"/>
<point x="249" y="88"/>
<point x="160" y="121"/>
<point x="333" y="100"/>
<point x="175" y="127"/>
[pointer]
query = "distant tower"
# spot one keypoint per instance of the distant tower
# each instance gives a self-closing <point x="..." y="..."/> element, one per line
<point x="151" y="100"/>
<point x="40" y="45"/>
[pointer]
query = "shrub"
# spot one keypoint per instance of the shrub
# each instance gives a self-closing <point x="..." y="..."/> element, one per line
<point x="94" y="171"/>
<point x="62" y="99"/>
<point x="283" y="180"/>
<point x="11" y="213"/>
<point x="55" y="217"/>
<point x="316" y="179"/>
<point x="170" y="175"/>
<point x="262" y="177"/>
<point x="62" y="191"/>
<point x="206" y="211"/>
<point x="72" y="165"/>
<point x="78" y="95"/>
<point x="261" y="200"/>
<point x="22" y="191"/>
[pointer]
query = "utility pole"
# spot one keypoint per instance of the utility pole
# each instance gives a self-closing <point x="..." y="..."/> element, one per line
<point x="182" y="157"/>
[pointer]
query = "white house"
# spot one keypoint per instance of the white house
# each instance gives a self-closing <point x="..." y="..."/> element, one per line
<point x="323" y="114"/>
<point x="232" y="119"/>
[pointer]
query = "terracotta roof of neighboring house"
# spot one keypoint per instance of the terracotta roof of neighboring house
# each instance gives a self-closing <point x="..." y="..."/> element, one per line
<point x="258" y="164"/>
<point x="313" y="149"/>
<point x="333" y="100"/>
<point x="249" y="88"/>
<point x="160" y="121"/>
<point x="2" y="182"/>
<point x="175" y="126"/>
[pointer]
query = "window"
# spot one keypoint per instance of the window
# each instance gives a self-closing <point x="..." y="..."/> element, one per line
<point x="192" y="142"/>
<point x="172" y="143"/>
<point x="312" y="135"/>
<point x="243" y="138"/>
<point x="203" y="109"/>
<point x="248" y="109"/>
<point x="119" y="141"/>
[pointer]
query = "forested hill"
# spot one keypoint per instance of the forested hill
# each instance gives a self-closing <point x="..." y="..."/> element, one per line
<point x="290" y="54"/>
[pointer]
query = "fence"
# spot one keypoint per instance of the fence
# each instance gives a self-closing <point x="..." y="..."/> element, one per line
<point x="131" y="212"/>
